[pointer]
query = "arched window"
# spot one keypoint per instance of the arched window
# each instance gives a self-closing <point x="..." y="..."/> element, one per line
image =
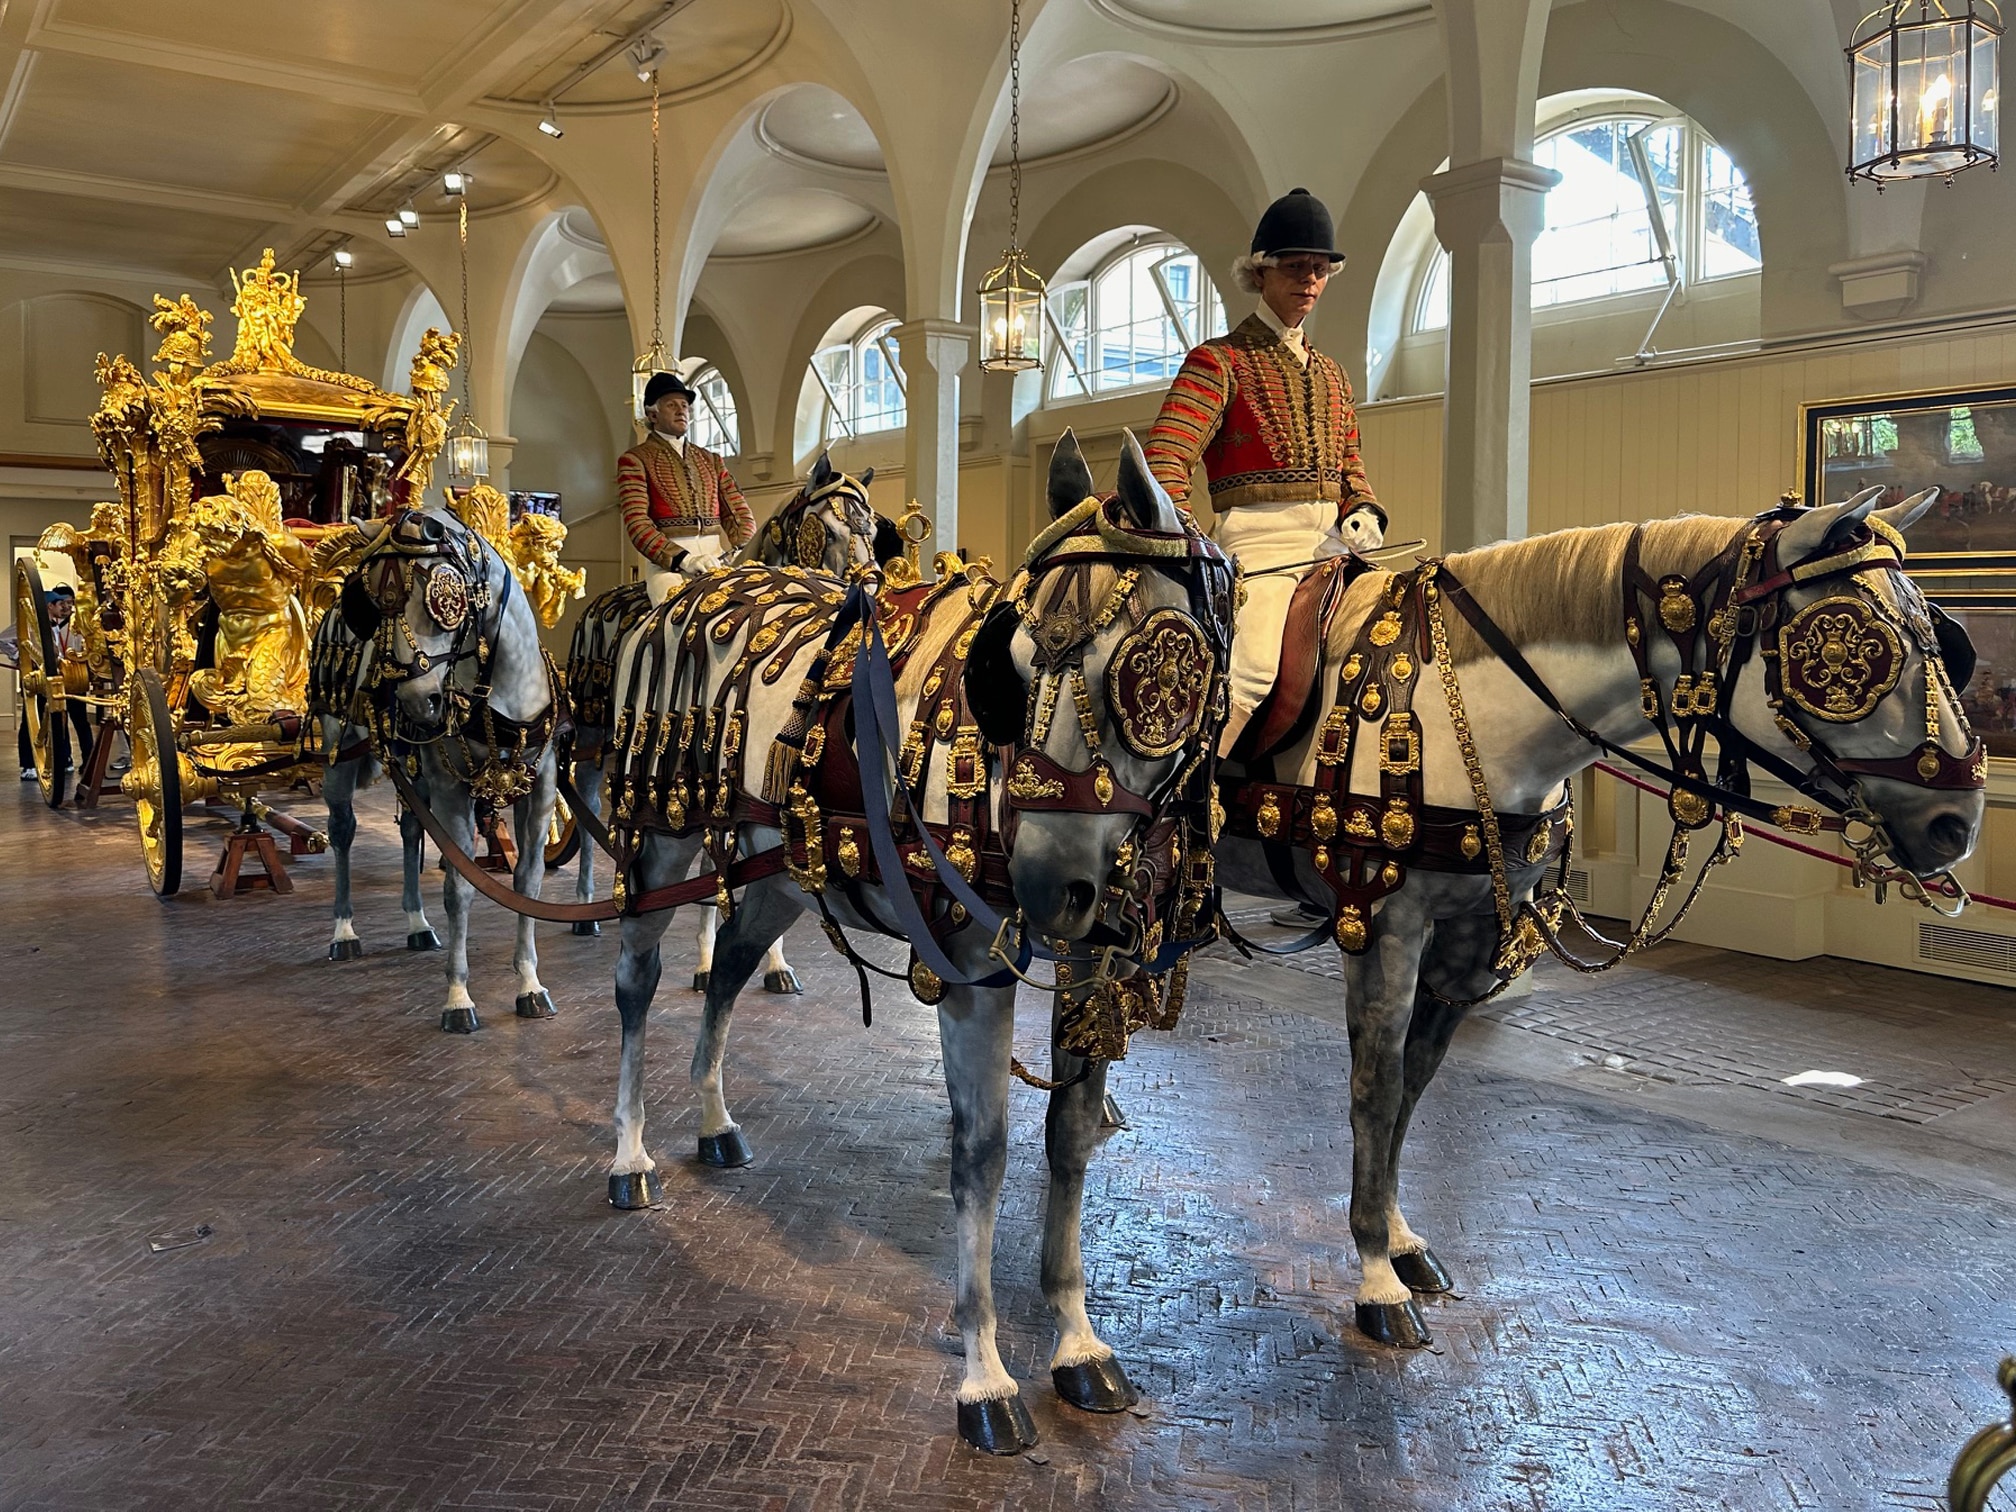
<point x="1644" y="200"/>
<point x="1131" y="320"/>
<point x="716" y="425"/>
<point x="860" y="381"/>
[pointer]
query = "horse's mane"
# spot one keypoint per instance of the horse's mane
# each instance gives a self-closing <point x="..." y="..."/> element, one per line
<point x="1565" y="587"/>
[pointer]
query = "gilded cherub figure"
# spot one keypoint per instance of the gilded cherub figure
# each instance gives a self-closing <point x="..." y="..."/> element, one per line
<point x="535" y="555"/>
<point x="234" y="549"/>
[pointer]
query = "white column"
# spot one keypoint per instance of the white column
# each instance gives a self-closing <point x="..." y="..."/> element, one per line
<point x="934" y="352"/>
<point x="1487" y="214"/>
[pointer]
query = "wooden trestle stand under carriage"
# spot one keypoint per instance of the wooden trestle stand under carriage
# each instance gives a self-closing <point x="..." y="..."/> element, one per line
<point x="199" y="589"/>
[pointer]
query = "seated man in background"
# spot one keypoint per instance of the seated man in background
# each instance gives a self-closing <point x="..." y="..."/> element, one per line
<point x="679" y="500"/>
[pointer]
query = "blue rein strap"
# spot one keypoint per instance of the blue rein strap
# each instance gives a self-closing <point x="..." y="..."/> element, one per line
<point x="875" y="723"/>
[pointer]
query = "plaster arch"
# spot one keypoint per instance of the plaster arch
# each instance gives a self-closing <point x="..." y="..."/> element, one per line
<point x="563" y="418"/>
<point x="552" y="259"/>
<point x="708" y="338"/>
<point x="1172" y="197"/>
<point x="1390" y="211"/>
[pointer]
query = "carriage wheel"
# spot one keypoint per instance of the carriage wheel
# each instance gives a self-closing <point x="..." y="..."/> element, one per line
<point x="155" y="781"/>
<point x="41" y="676"/>
<point x="563" y="835"/>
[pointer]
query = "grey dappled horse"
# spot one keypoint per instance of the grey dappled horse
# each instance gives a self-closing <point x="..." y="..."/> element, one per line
<point x="827" y="526"/>
<point x="472" y="697"/>
<point x="1058" y="868"/>
<point x="1558" y="598"/>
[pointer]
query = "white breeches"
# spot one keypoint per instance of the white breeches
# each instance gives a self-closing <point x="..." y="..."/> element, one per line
<point x="660" y="581"/>
<point x="1263" y="536"/>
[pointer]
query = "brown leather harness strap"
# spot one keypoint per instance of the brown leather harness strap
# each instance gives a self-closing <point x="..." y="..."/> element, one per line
<point x="691" y="890"/>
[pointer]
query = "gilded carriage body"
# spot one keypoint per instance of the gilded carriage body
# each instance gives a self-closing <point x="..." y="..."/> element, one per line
<point x="241" y="486"/>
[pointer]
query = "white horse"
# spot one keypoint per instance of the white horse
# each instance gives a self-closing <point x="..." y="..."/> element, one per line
<point x="827" y="526"/>
<point x="1151" y="591"/>
<point x="1425" y="798"/>
<point x="461" y="691"/>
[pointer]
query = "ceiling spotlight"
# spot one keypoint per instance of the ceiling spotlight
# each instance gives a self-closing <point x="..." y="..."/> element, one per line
<point x="394" y="226"/>
<point x="647" y="53"/>
<point x="455" y="183"/>
<point x="343" y="257"/>
<point x="409" y="217"/>
<point x="550" y="122"/>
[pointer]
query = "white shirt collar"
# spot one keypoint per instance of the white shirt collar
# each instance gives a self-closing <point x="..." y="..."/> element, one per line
<point x="1292" y="337"/>
<point x="677" y="443"/>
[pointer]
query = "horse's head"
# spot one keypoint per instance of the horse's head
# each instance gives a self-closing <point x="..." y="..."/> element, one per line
<point x="1103" y="670"/>
<point x="827" y="526"/>
<point x="427" y="596"/>
<point x="1861" y="676"/>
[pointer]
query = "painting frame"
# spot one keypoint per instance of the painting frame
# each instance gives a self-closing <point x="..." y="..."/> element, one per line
<point x="1964" y="553"/>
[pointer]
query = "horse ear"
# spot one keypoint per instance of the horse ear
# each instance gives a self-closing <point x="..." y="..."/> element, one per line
<point x="1825" y="529"/>
<point x="1907" y="512"/>
<point x="822" y="471"/>
<point x="1070" y="478"/>
<point x="1140" y="495"/>
<point x="359" y="611"/>
<point x="866" y="478"/>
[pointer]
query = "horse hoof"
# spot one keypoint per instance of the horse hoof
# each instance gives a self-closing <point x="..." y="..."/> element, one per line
<point x="727" y="1150"/>
<point x="345" y="950"/>
<point x="536" y="1005"/>
<point x="423" y="939"/>
<point x="1110" y="1116"/>
<point x="460" y="1021"/>
<point x="635" y="1191"/>
<point x="590" y="928"/>
<point x="1396" y="1323"/>
<point x="699" y="981"/>
<point x="783" y="983"/>
<point x="1095" y="1385"/>
<point x="1000" y="1425"/>
<point x="1422" y="1272"/>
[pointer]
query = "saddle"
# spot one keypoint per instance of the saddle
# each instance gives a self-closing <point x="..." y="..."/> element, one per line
<point x="1285" y="713"/>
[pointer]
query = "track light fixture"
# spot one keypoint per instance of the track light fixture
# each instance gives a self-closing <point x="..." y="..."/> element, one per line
<point x="455" y="183"/>
<point x="549" y="121"/>
<point x="646" y="54"/>
<point x="395" y="226"/>
<point x="409" y="217"/>
<point x="343" y="257"/>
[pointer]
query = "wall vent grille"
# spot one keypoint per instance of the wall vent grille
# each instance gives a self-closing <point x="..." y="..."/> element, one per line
<point x="1578" y="886"/>
<point x="1953" y="946"/>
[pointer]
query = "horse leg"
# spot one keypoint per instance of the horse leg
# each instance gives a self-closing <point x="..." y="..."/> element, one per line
<point x="339" y="788"/>
<point x="534" y="816"/>
<point x="1083" y="1368"/>
<point x="588" y="783"/>
<point x="1463" y="947"/>
<point x="976" y="1029"/>
<point x="710" y="925"/>
<point x="413" y="856"/>
<point x="1379" y="1001"/>
<point x="765" y="912"/>
<point x="459" y="1017"/>
<point x="633" y="1176"/>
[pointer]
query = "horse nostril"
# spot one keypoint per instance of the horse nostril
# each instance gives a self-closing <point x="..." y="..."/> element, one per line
<point x="1081" y="895"/>
<point x="1949" y="834"/>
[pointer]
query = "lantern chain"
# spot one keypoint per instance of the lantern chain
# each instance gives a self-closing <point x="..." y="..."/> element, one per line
<point x="657" y="276"/>
<point x="342" y="319"/>
<point x="1014" y="119"/>
<point x="468" y="353"/>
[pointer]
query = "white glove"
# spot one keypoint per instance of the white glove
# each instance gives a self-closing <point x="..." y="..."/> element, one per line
<point x="1361" y="530"/>
<point x="698" y="562"/>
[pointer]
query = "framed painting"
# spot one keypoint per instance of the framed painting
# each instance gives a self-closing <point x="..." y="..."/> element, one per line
<point x="1956" y="440"/>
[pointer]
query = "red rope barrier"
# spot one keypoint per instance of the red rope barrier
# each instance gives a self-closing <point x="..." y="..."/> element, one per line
<point x="1792" y="845"/>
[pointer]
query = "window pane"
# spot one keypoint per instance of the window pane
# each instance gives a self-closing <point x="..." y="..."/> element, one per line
<point x="1432" y="314"/>
<point x="1729" y="242"/>
<point x="835" y="365"/>
<point x="1071" y="309"/>
<point x="715" y="423"/>
<point x="1598" y="236"/>
<point x="878" y="398"/>
<point x="1133" y="340"/>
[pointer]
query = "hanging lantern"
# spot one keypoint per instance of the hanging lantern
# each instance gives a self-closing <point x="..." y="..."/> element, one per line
<point x="1927" y="82"/>
<point x="647" y="363"/>
<point x="1011" y="316"/>
<point x="468" y="450"/>
<point x="1012" y="295"/>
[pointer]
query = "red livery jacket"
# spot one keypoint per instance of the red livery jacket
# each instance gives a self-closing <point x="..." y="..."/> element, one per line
<point x="664" y="494"/>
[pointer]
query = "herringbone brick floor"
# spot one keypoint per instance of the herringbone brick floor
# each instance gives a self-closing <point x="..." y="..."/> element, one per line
<point x="414" y="1294"/>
